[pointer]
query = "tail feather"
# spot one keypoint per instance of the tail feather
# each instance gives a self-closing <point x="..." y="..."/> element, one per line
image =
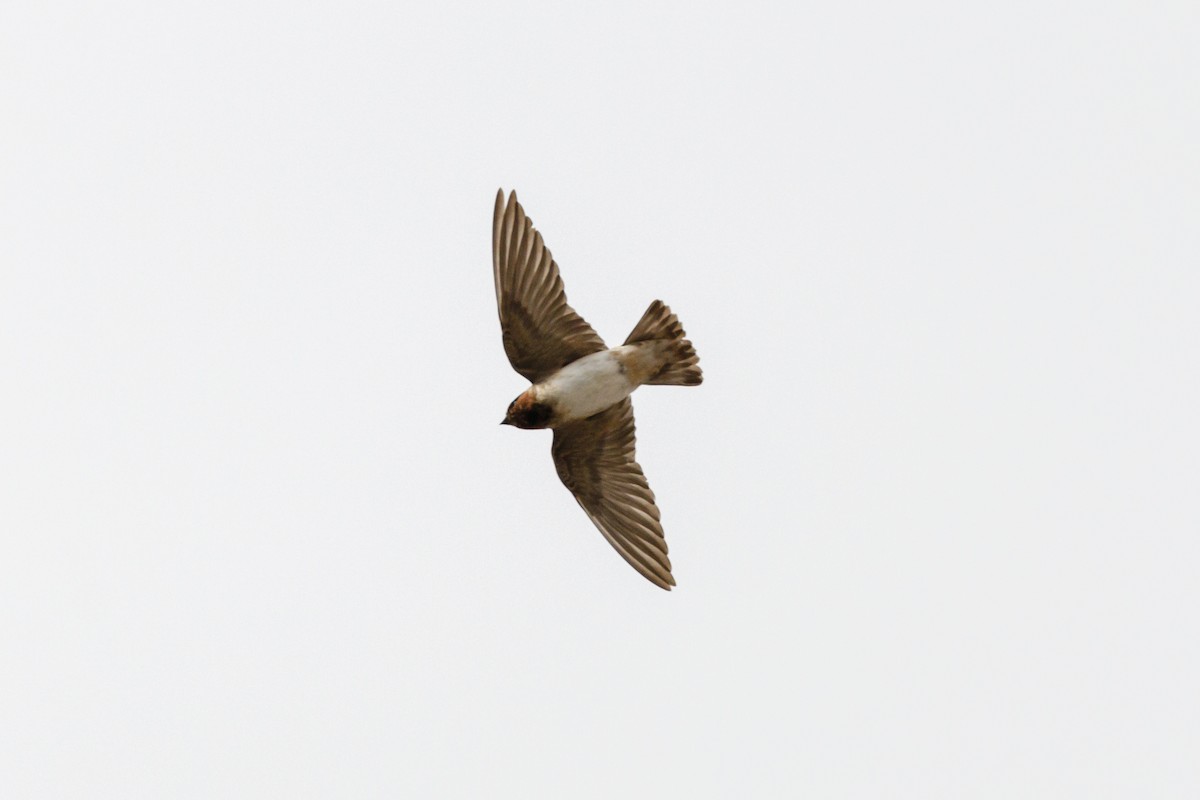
<point x="659" y="324"/>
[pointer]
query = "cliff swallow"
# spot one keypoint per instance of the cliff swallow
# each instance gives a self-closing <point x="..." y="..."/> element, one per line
<point x="581" y="388"/>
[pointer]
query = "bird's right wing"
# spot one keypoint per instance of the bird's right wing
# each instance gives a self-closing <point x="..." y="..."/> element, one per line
<point x="595" y="459"/>
<point x="542" y="334"/>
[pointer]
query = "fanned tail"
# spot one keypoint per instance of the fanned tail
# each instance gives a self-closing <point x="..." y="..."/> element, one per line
<point x="681" y="364"/>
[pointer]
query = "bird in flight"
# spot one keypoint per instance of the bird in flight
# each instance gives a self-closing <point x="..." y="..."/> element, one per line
<point x="581" y="388"/>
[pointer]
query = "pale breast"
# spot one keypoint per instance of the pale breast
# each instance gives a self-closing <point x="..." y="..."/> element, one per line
<point x="587" y="386"/>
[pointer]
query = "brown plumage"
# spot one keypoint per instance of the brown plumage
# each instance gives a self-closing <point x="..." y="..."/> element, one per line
<point x="581" y="388"/>
<point x="541" y="332"/>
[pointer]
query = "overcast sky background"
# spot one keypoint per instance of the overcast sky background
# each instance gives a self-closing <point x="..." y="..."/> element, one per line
<point x="933" y="512"/>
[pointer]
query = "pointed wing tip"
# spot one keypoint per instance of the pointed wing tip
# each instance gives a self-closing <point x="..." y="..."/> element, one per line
<point x="500" y="204"/>
<point x="664" y="582"/>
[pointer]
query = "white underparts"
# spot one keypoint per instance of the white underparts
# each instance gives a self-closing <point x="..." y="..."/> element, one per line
<point x="597" y="381"/>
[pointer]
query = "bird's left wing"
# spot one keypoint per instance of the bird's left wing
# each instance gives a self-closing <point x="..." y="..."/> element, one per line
<point x="595" y="459"/>
<point x="542" y="334"/>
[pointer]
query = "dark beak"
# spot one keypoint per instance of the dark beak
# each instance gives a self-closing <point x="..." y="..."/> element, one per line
<point x="505" y="421"/>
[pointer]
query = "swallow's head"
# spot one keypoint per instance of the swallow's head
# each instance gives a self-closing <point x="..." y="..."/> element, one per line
<point x="526" y="412"/>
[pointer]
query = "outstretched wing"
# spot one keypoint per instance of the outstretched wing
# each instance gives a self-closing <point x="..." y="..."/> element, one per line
<point x="542" y="334"/>
<point x="596" y="461"/>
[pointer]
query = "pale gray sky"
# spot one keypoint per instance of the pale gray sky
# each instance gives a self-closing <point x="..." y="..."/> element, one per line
<point x="933" y="512"/>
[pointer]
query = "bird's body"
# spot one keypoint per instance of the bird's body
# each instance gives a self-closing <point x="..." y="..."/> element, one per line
<point x="595" y="382"/>
<point x="580" y="388"/>
<point x="585" y="387"/>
